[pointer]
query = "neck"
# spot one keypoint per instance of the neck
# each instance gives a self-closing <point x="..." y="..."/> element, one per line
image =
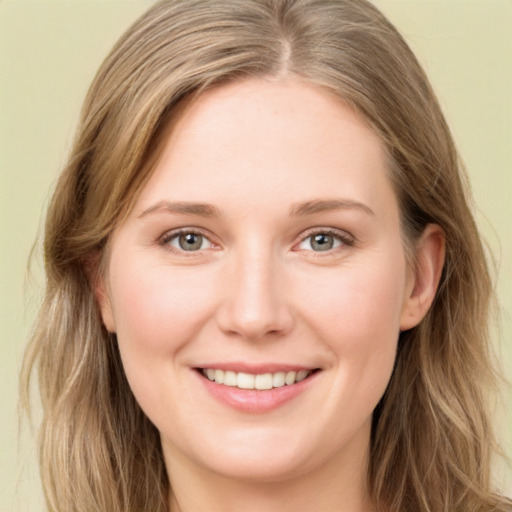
<point x="335" y="487"/>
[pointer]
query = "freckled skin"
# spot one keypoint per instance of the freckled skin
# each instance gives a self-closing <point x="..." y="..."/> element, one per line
<point x="257" y="291"/>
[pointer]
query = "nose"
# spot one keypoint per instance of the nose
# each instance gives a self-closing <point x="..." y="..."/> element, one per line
<point x="254" y="305"/>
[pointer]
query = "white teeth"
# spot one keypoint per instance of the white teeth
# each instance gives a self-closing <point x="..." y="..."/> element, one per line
<point x="261" y="381"/>
<point x="230" y="379"/>
<point x="301" y="375"/>
<point x="245" y="381"/>
<point x="278" y="379"/>
<point x="219" y="376"/>
<point x="290" y="378"/>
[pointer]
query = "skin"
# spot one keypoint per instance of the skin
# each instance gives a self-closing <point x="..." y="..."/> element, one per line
<point x="261" y="153"/>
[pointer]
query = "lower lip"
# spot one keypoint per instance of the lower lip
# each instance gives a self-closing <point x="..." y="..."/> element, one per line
<point x="256" y="401"/>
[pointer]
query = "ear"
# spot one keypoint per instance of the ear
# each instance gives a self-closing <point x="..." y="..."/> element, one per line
<point x="98" y="285"/>
<point x="103" y="300"/>
<point x="424" y="276"/>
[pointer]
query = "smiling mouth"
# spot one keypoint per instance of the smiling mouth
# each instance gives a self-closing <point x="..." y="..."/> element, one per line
<point x="262" y="381"/>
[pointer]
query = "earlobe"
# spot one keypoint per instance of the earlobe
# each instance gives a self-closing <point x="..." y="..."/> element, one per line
<point x="103" y="300"/>
<point x="424" y="277"/>
<point x="99" y="287"/>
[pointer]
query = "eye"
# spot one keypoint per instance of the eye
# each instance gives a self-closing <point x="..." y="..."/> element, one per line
<point x="189" y="241"/>
<point x="322" y="241"/>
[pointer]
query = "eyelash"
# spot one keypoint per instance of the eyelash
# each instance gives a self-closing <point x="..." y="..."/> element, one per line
<point x="165" y="240"/>
<point x="346" y="240"/>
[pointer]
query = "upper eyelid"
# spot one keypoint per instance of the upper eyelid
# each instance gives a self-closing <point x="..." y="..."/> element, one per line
<point x="344" y="235"/>
<point x="179" y="231"/>
<point x="347" y="241"/>
<point x="172" y="233"/>
<point x="341" y="233"/>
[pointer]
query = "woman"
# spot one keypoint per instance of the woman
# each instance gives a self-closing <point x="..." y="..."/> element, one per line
<point x="265" y="286"/>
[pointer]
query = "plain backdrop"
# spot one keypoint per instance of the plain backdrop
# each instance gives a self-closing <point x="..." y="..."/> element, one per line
<point x="49" y="52"/>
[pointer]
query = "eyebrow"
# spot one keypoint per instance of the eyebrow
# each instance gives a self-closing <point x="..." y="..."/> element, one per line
<point x="322" y="205"/>
<point x="297" y="210"/>
<point x="182" y="207"/>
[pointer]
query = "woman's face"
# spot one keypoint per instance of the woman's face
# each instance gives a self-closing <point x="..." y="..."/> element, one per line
<point x="265" y="248"/>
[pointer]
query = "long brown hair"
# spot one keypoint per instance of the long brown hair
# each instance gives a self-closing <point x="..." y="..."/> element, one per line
<point x="98" y="451"/>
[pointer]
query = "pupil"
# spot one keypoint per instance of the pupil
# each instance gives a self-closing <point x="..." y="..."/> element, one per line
<point x="190" y="241"/>
<point x="322" y="242"/>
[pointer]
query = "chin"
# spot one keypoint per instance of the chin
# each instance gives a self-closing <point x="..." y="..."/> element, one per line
<point x="251" y="454"/>
<point x="253" y="466"/>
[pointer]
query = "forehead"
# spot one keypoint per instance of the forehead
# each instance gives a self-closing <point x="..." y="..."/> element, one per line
<point x="257" y="139"/>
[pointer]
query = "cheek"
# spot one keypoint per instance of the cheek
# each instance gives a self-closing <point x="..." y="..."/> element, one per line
<point x="358" y="306"/>
<point x="356" y="313"/>
<point x="158" y="310"/>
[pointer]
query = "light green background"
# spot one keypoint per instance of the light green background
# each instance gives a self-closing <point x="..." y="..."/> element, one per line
<point x="49" y="51"/>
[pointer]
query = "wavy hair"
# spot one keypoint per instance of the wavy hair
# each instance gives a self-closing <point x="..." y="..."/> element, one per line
<point x="432" y="439"/>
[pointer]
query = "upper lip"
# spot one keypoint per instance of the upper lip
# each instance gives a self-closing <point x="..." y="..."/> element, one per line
<point x="256" y="369"/>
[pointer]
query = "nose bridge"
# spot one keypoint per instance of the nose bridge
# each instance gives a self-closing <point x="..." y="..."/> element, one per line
<point x="255" y="304"/>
